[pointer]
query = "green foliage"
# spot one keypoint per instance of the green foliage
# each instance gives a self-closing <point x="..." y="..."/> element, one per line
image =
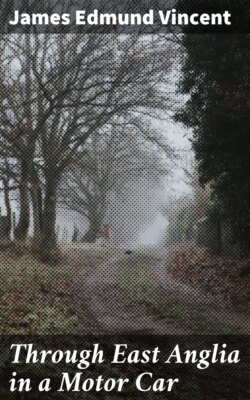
<point x="216" y="77"/>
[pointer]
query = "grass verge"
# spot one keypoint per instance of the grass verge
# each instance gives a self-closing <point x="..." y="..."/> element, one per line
<point x="136" y="284"/>
<point x="38" y="299"/>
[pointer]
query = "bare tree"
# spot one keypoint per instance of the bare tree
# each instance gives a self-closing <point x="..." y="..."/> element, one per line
<point x="108" y="164"/>
<point x="60" y="89"/>
<point x="9" y="184"/>
<point x="23" y="113"/>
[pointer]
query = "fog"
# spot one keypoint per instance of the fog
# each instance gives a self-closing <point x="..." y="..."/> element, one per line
<point x="138" y="219"/>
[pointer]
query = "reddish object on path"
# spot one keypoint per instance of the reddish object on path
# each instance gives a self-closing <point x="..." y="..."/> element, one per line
<point x="106" y="232"/>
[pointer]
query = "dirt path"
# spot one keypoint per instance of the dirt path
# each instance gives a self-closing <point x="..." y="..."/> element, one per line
<point x="117" y="313"/>
<point x="198" y="300"/>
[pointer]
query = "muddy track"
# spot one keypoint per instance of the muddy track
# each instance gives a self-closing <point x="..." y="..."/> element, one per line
<point x="115" y="312"/>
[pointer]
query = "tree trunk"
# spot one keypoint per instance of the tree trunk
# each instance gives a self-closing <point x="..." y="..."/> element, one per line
<point x="94" y="229"/>
<point x="49" y="245"/>
<point x="92" y="233"/>
<point x="37" y="204"/>
<point x="7" y="206"/>
<point x="24" y="217"/>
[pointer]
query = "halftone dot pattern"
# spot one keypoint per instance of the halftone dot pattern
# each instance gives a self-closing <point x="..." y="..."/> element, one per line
<point x="91" y="167"/>
<point x="105" y="227"/>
